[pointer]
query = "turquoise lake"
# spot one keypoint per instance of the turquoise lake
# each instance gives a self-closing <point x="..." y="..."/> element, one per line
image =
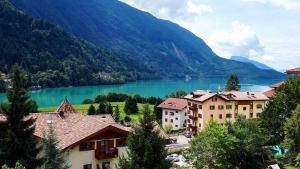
<point x="160" y="88"/>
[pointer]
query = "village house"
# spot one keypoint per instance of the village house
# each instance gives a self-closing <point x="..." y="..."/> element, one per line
<point x="222" y="107"/>
<point x="174" y="112"/>
<point x="88" y="141"/>
<point x="270" y="93"/>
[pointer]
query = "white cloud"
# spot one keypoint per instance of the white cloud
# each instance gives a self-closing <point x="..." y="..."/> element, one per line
<point x="171" y="9"/>
<point x="287" y="4"/>
<point x="240" y="41"/>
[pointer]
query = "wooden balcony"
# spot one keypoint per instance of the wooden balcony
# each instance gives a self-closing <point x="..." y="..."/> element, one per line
<point x="193" y="117"/>
<point x="110" y="153"/>
<point x="193" y="108"/>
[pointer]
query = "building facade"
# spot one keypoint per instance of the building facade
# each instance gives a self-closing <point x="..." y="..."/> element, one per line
<point x="222" y="107"/>
<point x="174" y="112"/>
<point x="87" y="141"/>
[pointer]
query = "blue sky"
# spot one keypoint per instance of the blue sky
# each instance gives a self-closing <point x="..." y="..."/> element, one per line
<point x="264" y="30"/>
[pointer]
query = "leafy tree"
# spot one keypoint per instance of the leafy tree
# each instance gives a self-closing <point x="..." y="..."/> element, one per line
<point x="292" y="133"/>
<point x="248" y="150"/>
<point x="177" y="94"/>
<point x="102" y="108"/>
<point x="88" y="101"/>
<point x="53" y="157"/>
<point x="146" y="147"/>
<point x="279" y="108"/>
<point x="2" y="85"/>
<point x="127" y="118"/>
<point x="17" y="166"/>
<point x="233" y="83"/>
<point x="169" y="127"/>
<point x="116" y="114"/>
<point x="92" y="110"/>
<point x="16" y="138"/>
<point x="130" y="106"/>
<point x="212" y="148"/>
<point x="100" y="98"/>
<point x="109" y="108"/>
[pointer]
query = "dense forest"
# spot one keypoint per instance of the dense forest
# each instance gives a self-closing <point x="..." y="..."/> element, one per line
<point x="165" y="46"/>
<point x="53" y="57"/>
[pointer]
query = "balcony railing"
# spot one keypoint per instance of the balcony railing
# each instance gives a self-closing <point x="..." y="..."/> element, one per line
<point x="193" y="108"/>
<point x="193" y="117"/>
<point x="110" y="153"/>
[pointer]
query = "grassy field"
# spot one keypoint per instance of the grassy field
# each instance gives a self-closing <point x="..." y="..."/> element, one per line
<point x="84" y="108"/>
<point x="290" y="167"/>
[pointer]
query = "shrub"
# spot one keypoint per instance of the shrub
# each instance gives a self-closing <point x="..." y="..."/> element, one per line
<point x="169" y="128"/>
<point x="88" y="101"/>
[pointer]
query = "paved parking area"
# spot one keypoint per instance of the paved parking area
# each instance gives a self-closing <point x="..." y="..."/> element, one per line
<point x="182" y="143"/>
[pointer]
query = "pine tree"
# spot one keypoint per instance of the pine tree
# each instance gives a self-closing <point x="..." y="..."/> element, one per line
<point x="233" y="83"/>
<point x="146" y="147"/>
<point x="102" y="108"/>
<point x="16" y="138"/>
<point x="116" y="114"/>
<point x="18" y="166"/>
<point x="92" y="110"/>
<point x="130" y="106"/>
<point x="53" y="157"/>
<point x="109" y="109"/>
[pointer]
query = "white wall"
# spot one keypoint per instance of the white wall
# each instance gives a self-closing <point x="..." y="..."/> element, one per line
<point x="178" y="118"/>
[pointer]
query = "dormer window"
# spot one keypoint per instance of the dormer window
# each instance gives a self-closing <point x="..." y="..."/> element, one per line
<point x="214" y="99"/>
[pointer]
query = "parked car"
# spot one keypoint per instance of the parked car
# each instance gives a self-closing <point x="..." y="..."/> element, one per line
<point x="173" y="157"/>
<point x="187" y="134"/>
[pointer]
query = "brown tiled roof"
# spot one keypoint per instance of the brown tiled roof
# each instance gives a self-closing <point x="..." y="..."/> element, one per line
<point x="173" y="104"/>
<point x="73" y="128"/>
<point x="270" y="93"/>
<point x="277" y="84"/>
<point x="293" y="71"/>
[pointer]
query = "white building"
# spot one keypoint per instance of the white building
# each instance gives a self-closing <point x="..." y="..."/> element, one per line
<point x="174" y="112"/>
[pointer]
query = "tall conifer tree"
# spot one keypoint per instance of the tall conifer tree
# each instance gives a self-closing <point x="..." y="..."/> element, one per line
<point x="16" y="139"/>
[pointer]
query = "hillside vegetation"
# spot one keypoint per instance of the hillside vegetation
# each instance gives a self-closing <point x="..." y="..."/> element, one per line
<point x="53" y="57"/>
<point x="170" y="50"/>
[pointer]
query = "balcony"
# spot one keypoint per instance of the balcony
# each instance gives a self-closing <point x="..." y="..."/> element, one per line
<point x="193" y="108"/>
<point x="193" y="117"/>
<point x="110" y="153"/>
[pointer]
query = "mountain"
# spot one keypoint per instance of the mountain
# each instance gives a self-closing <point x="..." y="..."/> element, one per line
<point x="54" y="58"/>
<point x="165" y="47"/>
<point x="255" y="63"/>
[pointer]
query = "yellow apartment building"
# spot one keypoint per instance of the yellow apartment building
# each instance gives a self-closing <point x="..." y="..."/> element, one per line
<point x="222" y="107"/>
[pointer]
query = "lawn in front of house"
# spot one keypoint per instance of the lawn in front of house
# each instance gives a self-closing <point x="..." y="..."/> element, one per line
<point x="84" y="108"/>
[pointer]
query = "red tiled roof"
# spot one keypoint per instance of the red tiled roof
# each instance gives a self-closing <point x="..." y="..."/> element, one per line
<point x="270" y="93"/>
<point x="66" y="107"/>
<point x="173" y="104"/>
<point x="293" y="71"/>
<point x="277" y="84"/>
<point x="73" y="128"/>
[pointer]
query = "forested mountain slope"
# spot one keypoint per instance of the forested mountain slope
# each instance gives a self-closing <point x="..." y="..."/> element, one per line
<point x="162" y="45"/>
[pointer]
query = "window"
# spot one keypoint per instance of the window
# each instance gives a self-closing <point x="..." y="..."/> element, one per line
<point x="229" y="116"/>
<point x="211" y="107"/>
<point x="189" y="120"/>
<point x="166" y="120"/>
<point x="214" y="99"/>
<point x="200" y="106"/>
<point x="259" y="106"/>
<point x="199" y="124"/>
<point x="189" y="103"/>
<point x="176" y="125"/>
<point x="176" y="111"/>
<point x="220" y="116"/>
<point x="172" y="113"/>
<point x="258" y="115"/>
<point x="87" y="166"/>
<point x="200" y="116"/>
<point x="211" y="116"/>
<point x="87" y="146"/>
<point x="251" y="115"/>
<point x="166" y="113"/>
<point x="194" y="105"/>
<point x="220" y="107"/>
<point x="244" y="108"/>
<point x="171" y="120"/>
<point x="228" y="107"/>
<point x="176" y="118"/>
<point x="106" y="165"/>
